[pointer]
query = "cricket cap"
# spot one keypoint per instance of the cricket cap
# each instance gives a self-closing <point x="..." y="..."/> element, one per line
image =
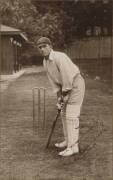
<point x="43" y="40"/>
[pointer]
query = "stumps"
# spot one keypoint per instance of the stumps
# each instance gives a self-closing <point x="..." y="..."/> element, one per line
<point x="39" y="108"/>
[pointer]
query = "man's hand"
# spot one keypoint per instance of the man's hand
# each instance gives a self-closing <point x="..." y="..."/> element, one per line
<point x="59" y="106"/>
<point x="60" y="103"/>
<point x="65" y="98"/>
<point x="62" y="100"/>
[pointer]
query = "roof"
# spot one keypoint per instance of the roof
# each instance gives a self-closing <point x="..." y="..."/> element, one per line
<point x="6" y="30"/>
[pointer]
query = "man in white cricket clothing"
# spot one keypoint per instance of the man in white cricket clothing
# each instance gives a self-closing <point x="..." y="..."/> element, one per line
<point x="69" y="86"/>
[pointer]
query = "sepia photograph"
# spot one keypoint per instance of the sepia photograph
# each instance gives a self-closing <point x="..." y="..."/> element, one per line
<point x="56" y="90"/>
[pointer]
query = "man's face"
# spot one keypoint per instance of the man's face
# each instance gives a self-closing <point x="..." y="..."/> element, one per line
<point x="44" y="49"/>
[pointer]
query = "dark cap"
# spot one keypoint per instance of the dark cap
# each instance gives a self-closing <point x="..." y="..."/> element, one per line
<point x="43" y="40"/>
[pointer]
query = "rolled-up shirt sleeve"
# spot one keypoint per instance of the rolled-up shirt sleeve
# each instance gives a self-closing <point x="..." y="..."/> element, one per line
<point x="68" y="71"/>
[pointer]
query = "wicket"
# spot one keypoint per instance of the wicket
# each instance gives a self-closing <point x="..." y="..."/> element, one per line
<point x="36" y="93"/>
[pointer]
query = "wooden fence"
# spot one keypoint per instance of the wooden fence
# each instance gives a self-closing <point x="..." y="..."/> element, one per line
<point x="92" y="55"/>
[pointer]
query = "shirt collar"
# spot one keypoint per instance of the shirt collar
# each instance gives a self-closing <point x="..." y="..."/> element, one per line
<point x="51" y="55"/>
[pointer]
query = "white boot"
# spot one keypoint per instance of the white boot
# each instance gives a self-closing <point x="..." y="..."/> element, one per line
<point x="61" y="145"/>
<point x="69" y="151"/>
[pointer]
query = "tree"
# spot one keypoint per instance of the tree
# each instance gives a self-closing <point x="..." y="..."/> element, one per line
<point x="43" y="18"/>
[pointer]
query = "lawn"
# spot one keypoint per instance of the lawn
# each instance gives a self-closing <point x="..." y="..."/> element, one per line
<point x="23" y="153"/>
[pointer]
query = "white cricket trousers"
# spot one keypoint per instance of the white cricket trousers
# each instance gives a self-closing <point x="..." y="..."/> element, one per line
<point x="71" y="112"/>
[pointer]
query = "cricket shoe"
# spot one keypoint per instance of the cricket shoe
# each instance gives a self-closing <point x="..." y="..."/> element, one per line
<point x="61" y="145"/>
<point x="69" y="151"/>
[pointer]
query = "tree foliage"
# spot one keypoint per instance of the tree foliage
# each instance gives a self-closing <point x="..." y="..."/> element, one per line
<point x="59" y="20"/>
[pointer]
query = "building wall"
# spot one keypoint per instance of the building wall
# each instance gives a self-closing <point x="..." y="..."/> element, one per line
<point x="7" y="55"/>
